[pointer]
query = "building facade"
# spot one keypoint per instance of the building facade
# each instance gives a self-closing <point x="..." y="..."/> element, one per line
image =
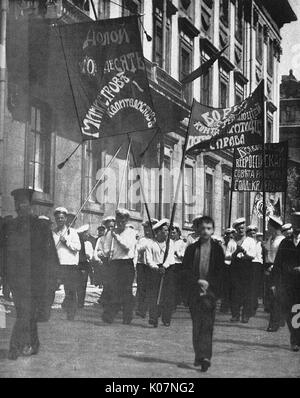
<point x="37" y="137"/>
<point x="290" y="131"/>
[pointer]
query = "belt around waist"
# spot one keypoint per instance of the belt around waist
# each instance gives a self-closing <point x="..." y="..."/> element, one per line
<point x="122" y="261"/>
<point x="68" y="265"/>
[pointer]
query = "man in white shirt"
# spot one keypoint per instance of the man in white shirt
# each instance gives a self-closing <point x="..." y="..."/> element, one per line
<point x="179" y="250"/>
<point x="68" y="246"/>
<point x="229" y="247"/>
<point x="121" y="269"/>
<point x="257" y="265"/>
<point x="241" y="273"/>
<point x="142" y="269"/>
<point x="102" y="255"/>
<point x="160" y="263"/>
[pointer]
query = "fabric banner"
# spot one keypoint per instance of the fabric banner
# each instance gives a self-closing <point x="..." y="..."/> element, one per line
<point x="212" y="129"/>
<point x="248" y="168"/>
<point x="108" y="76"/>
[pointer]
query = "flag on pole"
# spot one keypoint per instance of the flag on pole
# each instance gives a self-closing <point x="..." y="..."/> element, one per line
<point x="204" y="68"/>
<point x="212" y="129"/>
<point x="107" y="73"/>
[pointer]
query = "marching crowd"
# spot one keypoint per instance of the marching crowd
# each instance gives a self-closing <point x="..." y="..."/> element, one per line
<point x="169" y="270"/>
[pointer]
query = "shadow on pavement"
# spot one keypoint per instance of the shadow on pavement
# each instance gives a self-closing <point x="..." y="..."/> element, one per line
<point x="138" y="358"/>
<point x="252" y="344"/>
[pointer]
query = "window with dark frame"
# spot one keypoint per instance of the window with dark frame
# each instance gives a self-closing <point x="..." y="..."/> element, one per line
<point x="224" y="12"/>
<point x="270" y="57"/>
<point x="104" y="9"/>
<point x="259" y="42"/>
<point x="239" y="93"/>
<point x="158" y="39"/>
<point x="189" y="190"/>
<point x="208" y="206"/>
<point x="186" y="60"/>
<point x="92" y="163"/>
<point x="39" y="150"/>
<point x="131" y="7"/>
<point x="224" y="88"/>
<point x="225" y="204"/>
<point x="239" y="21"/>
<point x="241" y="204"/>
<point x="269" y="130"/>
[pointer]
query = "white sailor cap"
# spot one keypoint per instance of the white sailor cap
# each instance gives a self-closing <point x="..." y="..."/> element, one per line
<point x="259" y="234"/>
<point x="147" y="223"/>
<point x="161" y="223"/>
<point x="229" y="231"/>
<point x="83" y="228"/>
<point x="252" y="227"/>
<point x="122" y="213"/>
<point x="239" y="221"/>
<point x="42" y="217"/>
<point x="62" y="210"/>
<point x="275" y="222"/>
<point x="108" y="219"/>
<point x="286" y="227"/>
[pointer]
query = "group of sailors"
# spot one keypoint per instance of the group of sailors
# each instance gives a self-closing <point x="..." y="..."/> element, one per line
<point x="169" y="270"/>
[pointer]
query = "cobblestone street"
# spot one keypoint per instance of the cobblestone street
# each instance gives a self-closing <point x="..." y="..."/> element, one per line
<point x="89" y="348"/>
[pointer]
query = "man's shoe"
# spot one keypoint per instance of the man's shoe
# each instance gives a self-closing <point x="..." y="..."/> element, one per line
<point x="245" y="319"/>
<point x="205" y="365"/>
<point x="167" y="324"/>
<point x="13" y="355"/>
<point x="272" y="328"/>
<point x="153" y="323"/>
<point x="140" y="314"/>
<point x="198" y="362"/>
<point x="235" y="319"/>
<point x="27" y="351"/>
<point x="295" y="348"/>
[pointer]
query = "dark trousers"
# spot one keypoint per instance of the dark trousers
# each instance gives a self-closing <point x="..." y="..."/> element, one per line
<point x="167" y="301"/>
<point x="202" y="311"/>
<point x="25" y="330"/>
<point x="257" y="275"/>
<point x="226" y="289"/>
<point x="82" y="284"/>
<point x="178" y="283"/>
<point x="120" y="280"/>
<point x="141" y="276"/>
<point x="241" y="279"/>
<point x="69" y="275"/>
<point x="277" y="312"/>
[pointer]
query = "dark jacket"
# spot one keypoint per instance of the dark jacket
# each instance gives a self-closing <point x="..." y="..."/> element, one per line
<point x="29" y="259"/>
<point x="190" y="277"/>
<point x="283" y="275"/>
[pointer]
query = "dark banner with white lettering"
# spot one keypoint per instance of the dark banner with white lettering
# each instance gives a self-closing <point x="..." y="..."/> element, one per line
<point x="248" y="168"/>
<point x="108" y="77"/>
<point x="212" y="129"/>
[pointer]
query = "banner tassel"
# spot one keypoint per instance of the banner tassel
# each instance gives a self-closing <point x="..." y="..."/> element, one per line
<point x="62" y="164"/>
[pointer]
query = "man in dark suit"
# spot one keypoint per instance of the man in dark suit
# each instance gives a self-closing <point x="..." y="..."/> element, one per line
<point x="285" y="278"/>
<point x="29" y="265"/>
<point x="202" y="273"/>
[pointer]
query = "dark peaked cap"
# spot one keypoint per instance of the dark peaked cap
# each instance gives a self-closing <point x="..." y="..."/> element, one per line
<point x="22" y="193"/>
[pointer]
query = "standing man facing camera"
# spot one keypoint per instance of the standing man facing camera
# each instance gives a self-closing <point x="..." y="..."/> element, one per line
<point x="29" y="265"/>
<point x="68" y="247"/>
<point x="202" y="271"/>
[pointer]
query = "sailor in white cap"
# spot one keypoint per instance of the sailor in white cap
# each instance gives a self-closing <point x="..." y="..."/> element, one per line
<point x="271" y="249"/>
<point x="86" y="255"/>
<point x="257" y="268"/>
<point x="101" y="257"/>
<point x="179" y="250"/>
<point x="159" y="263"/>
<point x="286" y="281"/>
<point x="192" y="238"/>
<point x="229" y="247"/>
<point x="68" y="246"/>
<point x="287" y="230"/>
<point x="142" y="269"/>
<point x="241" y="273"/>
<point x="121" y="270"/>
